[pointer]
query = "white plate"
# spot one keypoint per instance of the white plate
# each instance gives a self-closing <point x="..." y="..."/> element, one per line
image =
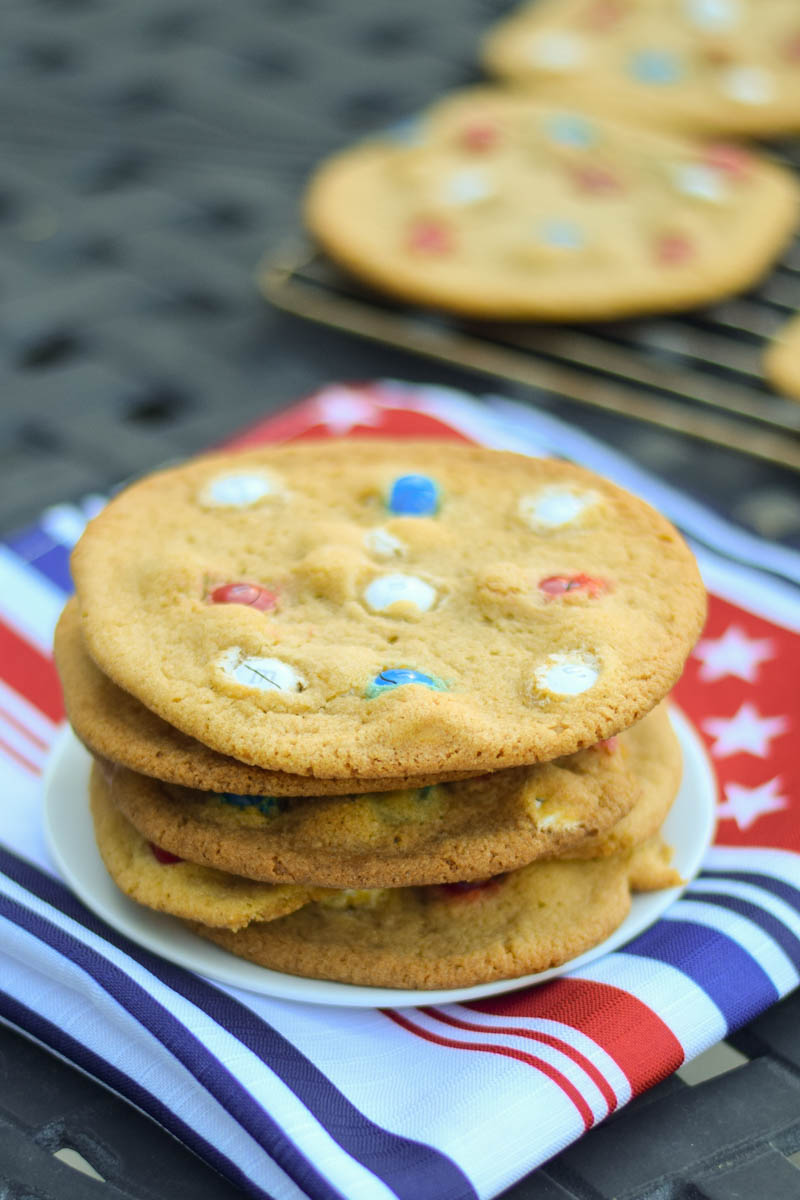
<point x="689" y="830"/>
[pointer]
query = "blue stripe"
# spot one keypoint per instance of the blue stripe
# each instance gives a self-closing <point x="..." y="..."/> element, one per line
<point x="30" y="543"/>
<point x="410" y="1168"/>
<point x="728" y="975"/>
<point x="187" y="1049"/>
<point x="52" y="1035"/>
<point x="784" y="891"/>
<point x="765" y="920"/>
<point x="54" y="565"/>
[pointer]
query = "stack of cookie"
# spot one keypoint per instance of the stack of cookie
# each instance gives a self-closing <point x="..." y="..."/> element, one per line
<point x="382" y="712"/>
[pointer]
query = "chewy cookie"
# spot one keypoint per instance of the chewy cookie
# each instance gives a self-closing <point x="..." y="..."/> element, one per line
<point x="595" y="802"/>
<point x="782" y="359"/>
<point x="357" y="610"/>
<point x="196" y="893"/>
<point x="115" y="726"/>
<point x="453" y="936"/>
<point x="505" y="207"/>
<point x="699" y="66"/>
<point x="657" y="765"/>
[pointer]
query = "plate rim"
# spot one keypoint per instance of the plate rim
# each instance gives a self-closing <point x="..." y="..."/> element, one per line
<point x="78" y="861"/>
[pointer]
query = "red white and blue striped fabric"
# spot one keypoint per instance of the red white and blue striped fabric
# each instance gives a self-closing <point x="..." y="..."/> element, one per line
<point x="444" y="1102"/>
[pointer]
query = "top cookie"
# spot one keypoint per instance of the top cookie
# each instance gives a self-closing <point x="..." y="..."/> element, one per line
<point x="500" y="206"/>
<point x="700" y="66"/>
<point x="363" y="609"/>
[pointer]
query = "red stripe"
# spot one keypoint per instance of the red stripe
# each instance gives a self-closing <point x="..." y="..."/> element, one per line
<point x="15" y="754"/>
<point x="641" y="1044"/>
<point x="569" y="1090"/>
<point x="30" y="673"/>
<point x="547" y="1039"/>
<point x="29" y="734"/>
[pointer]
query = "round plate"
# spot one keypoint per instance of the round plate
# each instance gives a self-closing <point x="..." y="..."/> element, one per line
<point x="689" y="829"/>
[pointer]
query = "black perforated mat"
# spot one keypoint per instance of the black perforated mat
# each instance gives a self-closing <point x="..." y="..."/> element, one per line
<point x="152" y="151"/>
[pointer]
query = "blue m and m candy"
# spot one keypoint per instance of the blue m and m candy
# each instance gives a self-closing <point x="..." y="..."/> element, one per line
<point x="413" y="496"/>
<point x="394" y="677"/>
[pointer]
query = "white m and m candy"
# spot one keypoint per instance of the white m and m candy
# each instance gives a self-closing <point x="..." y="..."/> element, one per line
<point x="387" y="590"/>
<point x="238" y="489"/>
<point x="553" y="507"/>
<point x="261" y="674"/>
<point x="567" y="674"/>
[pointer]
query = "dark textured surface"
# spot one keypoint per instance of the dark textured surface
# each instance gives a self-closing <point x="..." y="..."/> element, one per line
<point x="151" y="153"/>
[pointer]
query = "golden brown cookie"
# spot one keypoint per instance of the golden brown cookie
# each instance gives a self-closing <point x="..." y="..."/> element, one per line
<point x="363" y="609"/>
<point x="782" y="359"/>
<point x="452" y="832"/>
<point x="727" y="67"/>
<point x="657" y="765"/>
<point x="116" y="726"/>
<point x="440" y="937"/>
<point x="506" y="207"/>
<point x="148" y="875"/>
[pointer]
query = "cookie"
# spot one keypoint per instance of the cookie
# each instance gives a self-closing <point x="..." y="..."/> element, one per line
<point x="366" y="609"/>
<point x="453" y="936"/>
<point x="115" y="726"/>
<point x="782" y="359"/>
<point x="156" y="879"/>
<point x="657" y="765"/>
<point x="505" y="207"/>
<point x="651" y="867"/>
<point x="727" y="67"/>
<point x="595" y="802"/>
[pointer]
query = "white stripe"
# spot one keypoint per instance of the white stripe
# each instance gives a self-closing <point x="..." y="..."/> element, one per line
<point x="784" y="912"/>
<point x="567" y="1066"/>
<point x="683" y="1006"/>
<point x="750" y="936"/>
<point x="29" y="971"/>
<point x="400" y="1081"/>
<point x="597" y="1056"/>
<point x="39" y="725"/>
<point x="749" y="589"/>
<point x="119" y="1029"/>
<point x="18" y="740"/>
<point x="31" y="603"/>
<point x="782" y="864"/>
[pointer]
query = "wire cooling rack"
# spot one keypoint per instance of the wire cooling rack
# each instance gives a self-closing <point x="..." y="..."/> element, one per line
<point x="698" y="373"/>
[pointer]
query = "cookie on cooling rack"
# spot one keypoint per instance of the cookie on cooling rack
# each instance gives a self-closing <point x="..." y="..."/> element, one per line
<point x="505" y="207"/>
<point x="782" y="359"/>
<point x="370" y="609"/>
<point x="727" y="67"/>
<point x="595" y="802"/>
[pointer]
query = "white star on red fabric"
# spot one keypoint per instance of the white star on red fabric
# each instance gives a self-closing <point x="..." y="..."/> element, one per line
<point x="732" y="654"/>
<point x="747" y="732"/>
<point x="745" y="805"/>
<point x="342" y="408"/>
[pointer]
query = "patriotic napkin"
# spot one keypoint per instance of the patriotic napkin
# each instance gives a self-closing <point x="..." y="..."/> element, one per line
<point x="441" y="1102"/>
